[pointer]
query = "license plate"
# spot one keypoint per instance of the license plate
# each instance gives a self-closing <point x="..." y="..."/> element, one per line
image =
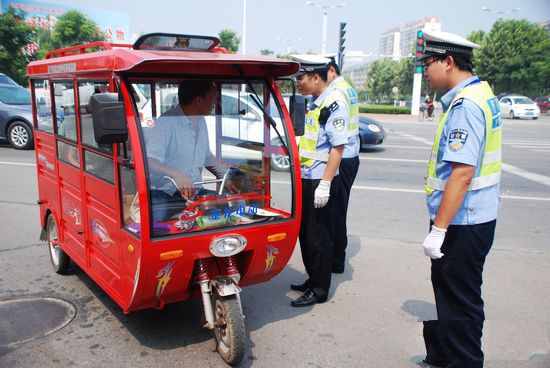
<point x="529" y="113"/>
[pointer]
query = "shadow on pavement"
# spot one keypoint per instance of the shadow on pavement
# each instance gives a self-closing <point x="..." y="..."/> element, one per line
<point x="423" y="310"/>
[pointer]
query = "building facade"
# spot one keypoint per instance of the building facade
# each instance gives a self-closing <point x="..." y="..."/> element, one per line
<point x="398" y="42"/>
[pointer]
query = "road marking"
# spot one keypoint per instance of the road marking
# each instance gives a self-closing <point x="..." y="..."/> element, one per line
<point x="16" y="163"/>
<point x="392" y="159"/>
<point x="403" y="146"/>
<point x="530" y="146"/>
<point x="540" y="150"/>
<point x="415" y="138"/>
<point x="541" y="179"/>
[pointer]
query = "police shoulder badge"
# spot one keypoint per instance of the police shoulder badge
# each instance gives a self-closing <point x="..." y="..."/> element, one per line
<point x="339" y="124"/>
<point x="457" y="138"/>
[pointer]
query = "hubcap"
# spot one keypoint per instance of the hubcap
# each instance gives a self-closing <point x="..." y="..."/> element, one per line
<point x="19" y="135"/>
<point x="282" y="162"/>
<point x="53" y="242"/>
<point x="221" y="327"/>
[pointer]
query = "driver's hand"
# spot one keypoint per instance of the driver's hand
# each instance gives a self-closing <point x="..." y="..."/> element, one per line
<point x="231" y="187"/>
<point x="185" y="186"/>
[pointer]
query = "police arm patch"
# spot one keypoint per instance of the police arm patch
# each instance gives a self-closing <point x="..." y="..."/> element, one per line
<point x="457" y="139"/>
<point x="339" y="124"/>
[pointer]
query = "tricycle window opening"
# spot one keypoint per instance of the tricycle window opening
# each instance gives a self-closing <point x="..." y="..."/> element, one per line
<point x="42" y="97"/>
<point x="223" y="144"/>
<point x="64" y="104"/>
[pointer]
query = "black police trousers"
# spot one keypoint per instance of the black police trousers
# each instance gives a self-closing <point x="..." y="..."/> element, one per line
<point x="315" y="237"/>
<point x="454" y="339"/>
<point x="348" y="171"/>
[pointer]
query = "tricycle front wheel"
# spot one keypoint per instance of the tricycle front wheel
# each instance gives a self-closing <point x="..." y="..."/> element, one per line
<point x="60" y="260"/>
<point x="229" y="329"/>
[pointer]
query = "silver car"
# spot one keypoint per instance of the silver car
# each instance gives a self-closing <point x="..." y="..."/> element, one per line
<point x="16" y="116"/>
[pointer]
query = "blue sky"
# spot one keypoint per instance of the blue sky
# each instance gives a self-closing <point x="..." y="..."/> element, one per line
<point x="293" y="19"/>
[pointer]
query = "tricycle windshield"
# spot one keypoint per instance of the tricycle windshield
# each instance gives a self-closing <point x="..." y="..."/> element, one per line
<point x="211" y="153"/>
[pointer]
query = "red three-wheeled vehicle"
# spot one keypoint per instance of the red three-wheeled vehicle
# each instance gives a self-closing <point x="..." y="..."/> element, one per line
<point x="159" y="203"/>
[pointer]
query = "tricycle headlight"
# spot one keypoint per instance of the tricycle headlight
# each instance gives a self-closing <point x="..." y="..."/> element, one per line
<point x="374" y="128"/>
<point x="227" y="245"/>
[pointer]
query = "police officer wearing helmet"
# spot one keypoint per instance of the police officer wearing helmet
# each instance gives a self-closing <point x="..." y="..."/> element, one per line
<point x="462" y="189"/>
<point x="349" y="166"/>
<point x="320" y="151"/>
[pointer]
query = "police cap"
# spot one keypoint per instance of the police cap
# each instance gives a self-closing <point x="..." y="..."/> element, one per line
<point x="310" y="63"/>
<point x="439" y="43"/>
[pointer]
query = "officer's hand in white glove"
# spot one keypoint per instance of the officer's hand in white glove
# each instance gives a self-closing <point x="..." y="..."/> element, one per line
<point x="432" y="243"/>
<point x="322" y="194"/>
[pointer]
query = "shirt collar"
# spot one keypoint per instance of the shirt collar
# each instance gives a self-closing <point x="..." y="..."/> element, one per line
<point x="183" y="118"/>
<point x="322" y="97"/>
<point x="338" y="79"/>
<point x="448" y="97"/>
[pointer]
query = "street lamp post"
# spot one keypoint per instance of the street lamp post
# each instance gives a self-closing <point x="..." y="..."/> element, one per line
<point x="498" y="11"/>
<point x="244" y="27"/>
<point x="289" y="43"/>
<point x="325" y="9"/>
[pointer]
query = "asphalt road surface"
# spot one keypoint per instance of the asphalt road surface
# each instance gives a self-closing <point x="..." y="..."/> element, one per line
<point x="373" y="317"/>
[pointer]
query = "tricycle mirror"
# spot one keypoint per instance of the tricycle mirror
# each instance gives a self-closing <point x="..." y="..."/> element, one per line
<point x="109" y="118"/>
<point x="298" y="113"/>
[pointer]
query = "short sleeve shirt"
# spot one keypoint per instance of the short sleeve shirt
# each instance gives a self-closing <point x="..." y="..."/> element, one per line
<point x="331" y="134"/>
<point x="175" y="143"/>
<point x="463" y="141"/>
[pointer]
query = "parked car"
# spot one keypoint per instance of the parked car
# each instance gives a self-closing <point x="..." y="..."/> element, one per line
<point x="516" y="106"/>
<point x="543" y="103"/>
<point x="371" y="132"/>
<point x="16" y="116"/>
<point x="4" y="79"/>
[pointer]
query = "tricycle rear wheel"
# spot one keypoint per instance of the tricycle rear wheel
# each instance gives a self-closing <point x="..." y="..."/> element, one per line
<point x="229" y="328"/>
<point x="60" y="260"/>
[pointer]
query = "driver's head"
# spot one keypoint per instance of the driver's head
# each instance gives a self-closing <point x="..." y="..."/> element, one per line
<point x="200" y="95"/>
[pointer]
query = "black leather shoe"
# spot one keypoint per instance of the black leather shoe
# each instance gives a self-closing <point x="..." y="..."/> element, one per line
<point x="337" y="269"/>
<point x="307" y="298"/>
<point x="299" y="287"/>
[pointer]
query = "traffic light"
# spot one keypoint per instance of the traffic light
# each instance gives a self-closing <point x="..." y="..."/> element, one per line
<point x="341" y="46"/>
<point x="419" y="51"/>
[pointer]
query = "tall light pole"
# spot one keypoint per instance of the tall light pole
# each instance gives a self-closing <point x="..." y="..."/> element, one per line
<point x="498" y="11"/>
<point x="325" y="9"/>
<point x="244" y="27"/>
<point x="289" y="42"/>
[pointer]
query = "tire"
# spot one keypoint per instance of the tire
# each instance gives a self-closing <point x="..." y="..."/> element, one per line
<point x="229" y="329"/>
<point x="280" y="162"/>
<point x="421" y="115"/>
<point x="512" y="115"/>
<point x="20" y="135"/>
<point x="60" y="260"/>
<point x="535" y="118"/>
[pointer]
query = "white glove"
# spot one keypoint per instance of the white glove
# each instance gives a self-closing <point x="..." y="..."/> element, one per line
<point x="432" y="243"/>
<point x="322" y="194"/>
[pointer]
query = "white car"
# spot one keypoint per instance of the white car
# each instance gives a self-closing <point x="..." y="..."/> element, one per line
<point x="515" y="107"/>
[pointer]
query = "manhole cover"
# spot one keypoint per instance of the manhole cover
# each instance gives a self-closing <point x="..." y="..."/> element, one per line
<point x="23" y="320"/>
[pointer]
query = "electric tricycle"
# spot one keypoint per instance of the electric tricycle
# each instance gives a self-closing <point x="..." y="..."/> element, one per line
<point x="146" y="236"/>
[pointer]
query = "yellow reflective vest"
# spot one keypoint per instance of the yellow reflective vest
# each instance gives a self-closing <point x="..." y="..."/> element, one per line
<point x="351" y="98"/>
<point x="488" y="171"/>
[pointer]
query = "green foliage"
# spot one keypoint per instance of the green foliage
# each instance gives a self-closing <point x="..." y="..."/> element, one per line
<point x="384" y="109"/>
<point x="229" y="40"/>
<point x="266" y="52"/>
<point x="74" y="28"/>
<point x="514" y="57"/>
<point x="15" y="34"/>
<point x="385" y="74"/>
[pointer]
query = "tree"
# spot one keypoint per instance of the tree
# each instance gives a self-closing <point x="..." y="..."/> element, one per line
<point x="515" y="57"/>
<point x="381" y="79"/>
<point x="15" y="35"/>
<point x="74" y="28"/>
<point x="266" y="52"/>
<point x="229" y="40"/>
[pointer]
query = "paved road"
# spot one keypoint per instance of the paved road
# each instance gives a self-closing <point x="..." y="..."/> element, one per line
<point x="373" y="318"/>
